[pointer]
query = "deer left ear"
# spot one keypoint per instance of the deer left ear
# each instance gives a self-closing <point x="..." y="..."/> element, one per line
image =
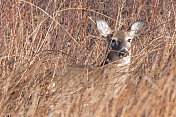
<point x="103" y="27"/>
<point x="135" y="27"/>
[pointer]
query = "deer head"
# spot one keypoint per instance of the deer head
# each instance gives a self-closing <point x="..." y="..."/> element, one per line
<point x="119" y="42"/>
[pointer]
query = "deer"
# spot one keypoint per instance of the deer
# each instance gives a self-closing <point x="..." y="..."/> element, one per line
<point x="119" y="41"/>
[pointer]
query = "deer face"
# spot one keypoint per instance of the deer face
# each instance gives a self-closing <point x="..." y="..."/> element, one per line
<point x="119" y="42"/>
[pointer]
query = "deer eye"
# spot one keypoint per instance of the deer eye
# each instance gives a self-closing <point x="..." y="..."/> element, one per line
<point x="129" y="40"/>
<point x="113" y="43"/>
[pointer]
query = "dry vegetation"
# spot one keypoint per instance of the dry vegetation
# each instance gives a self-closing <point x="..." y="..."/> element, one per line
<point x="50" y="56"/>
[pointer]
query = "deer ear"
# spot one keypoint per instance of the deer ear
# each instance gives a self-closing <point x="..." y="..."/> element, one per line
<point x="103" y="27"/>
<point x="135" y="27"/>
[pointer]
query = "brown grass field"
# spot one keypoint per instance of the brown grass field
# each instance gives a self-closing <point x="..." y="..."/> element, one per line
<point x="51" y="53"/>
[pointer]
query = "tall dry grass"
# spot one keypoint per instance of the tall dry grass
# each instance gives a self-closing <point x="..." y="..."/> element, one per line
<point x="50" y="56"/>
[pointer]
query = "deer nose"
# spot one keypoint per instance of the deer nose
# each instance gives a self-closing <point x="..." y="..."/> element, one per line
<point x="123" y="53"/>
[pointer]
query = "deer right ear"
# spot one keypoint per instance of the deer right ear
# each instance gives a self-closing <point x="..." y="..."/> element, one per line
<point x="103" y="27"/>
<point x="136" y="26"/>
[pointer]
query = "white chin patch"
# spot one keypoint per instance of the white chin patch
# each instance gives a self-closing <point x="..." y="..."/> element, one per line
<point x="124" y="61"/>
<point x="121" y="55"/>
